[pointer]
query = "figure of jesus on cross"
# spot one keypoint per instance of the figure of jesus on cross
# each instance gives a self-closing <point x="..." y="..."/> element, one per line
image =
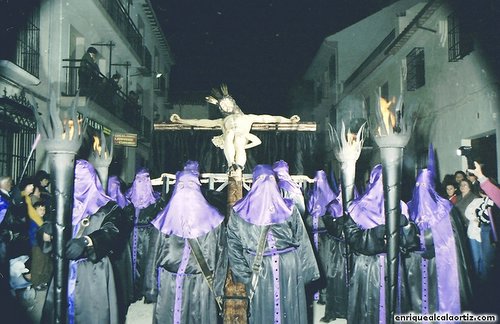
<point x="235" y="125"/>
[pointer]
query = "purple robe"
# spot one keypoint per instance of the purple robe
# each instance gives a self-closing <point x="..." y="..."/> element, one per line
<point x="431" y="212"/>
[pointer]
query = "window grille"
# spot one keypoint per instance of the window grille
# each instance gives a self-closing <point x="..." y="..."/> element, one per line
<point x="460" y="41"/>
<point x="28" y="43"/>
<point x="17" y="135"/>
<point x="415" y="66"/>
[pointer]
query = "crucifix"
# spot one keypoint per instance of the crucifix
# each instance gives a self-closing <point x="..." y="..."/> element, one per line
<point x="236" y="137"/>
<point x="235" y="126"/>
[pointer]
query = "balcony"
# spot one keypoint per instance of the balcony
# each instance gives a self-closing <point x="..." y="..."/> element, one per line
<point x="122" y="20"/>
<point x="159" y="85"/>
<point x="104" y="93"/>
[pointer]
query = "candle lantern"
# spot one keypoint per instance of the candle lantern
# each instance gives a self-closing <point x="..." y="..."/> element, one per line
<point x="62" y="133"/>
<point x="101" y="158"/>
<point x="392" y="131"/>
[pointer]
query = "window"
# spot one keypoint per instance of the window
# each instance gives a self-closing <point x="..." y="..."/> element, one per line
<point x="460" y="41"/>
<point x="332" y="70"/>
<point x="17" y="134"/>
<point x="28" y="43"/>
<point x="415" y="69"/>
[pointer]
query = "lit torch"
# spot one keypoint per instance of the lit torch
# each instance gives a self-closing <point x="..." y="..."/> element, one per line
<point x="347" y="151"/>
<point x="62" y="132"/>
<point x="391" y="135"/>
<point x="101" y="158"/>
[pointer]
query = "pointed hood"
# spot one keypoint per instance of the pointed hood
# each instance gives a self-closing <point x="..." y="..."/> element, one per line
<point x="321" y="195"/>
<point x="263" y="204"/>
<point x="88" y="194"/>
<point x="187" y="214"/>
<point x="368" y="210"/>
<point x="141" y="194"/>
<point x="427" y="207"/>
<point x="336" y="207"/>
<point x="431" y="211"/>
<point x="285" y="181"/>
<point x="115" y="191"/>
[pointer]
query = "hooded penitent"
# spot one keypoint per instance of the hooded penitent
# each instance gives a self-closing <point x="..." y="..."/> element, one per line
<point x="88" y="195"/>
<point x="141" y="194"/>
<point x="115" y="192"/>
<point x="263" y="204"/>
<point x="321" y="195"/>
<point x="188" y="214"/>
<point x="284" y="179"/>
<point x="431" y="212"/>
<point x="368" y="210"/>
<point x="335" y="208"/>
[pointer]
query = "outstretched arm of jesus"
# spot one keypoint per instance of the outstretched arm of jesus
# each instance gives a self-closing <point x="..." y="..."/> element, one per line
<point x="174" y="118"/>
<point x="274" y="119"/>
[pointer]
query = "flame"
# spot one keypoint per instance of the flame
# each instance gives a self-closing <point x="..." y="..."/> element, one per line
<point x="351" y="138"/>
<point x="69" y="128"/>
<point x="388" y="116"/>
<point x="97" y="145"/>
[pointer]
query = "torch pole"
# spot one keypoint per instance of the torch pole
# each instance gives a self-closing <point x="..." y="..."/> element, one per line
<point x="392" y="158"/>
<point x="348" y="173"/>
<point x="102" y="172"/>
<point x="62" y="166"/>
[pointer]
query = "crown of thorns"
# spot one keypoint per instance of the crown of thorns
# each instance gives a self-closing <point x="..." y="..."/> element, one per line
<point x="218" y="96"/>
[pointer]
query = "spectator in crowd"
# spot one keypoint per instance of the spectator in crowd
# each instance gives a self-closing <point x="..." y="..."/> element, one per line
<point x="451" y="192"/>
<point x="491" y="190"/>
<point x="475" y="184"/>
<point x="459" y="176"/>
<point x="476" y="215"/>
<point x="19" y="224"/>
<point x="42" y="180"/>
<point x="465" y="198"/>
<point x="41" y="265"/>
<point x="36" y="195"/>
<point x="88" y="72"/>
<point x="132" y="107"/>
<point x="112" y="88"/>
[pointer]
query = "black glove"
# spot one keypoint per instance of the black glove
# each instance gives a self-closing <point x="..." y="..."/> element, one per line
<point x="75" y="248"/>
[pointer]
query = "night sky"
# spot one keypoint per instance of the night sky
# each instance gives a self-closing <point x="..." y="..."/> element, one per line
<point x="260" y="49"/>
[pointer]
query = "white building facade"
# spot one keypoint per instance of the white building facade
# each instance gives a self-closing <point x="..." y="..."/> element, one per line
<point x="431" y="53"/>
<point x="49" y="39"/>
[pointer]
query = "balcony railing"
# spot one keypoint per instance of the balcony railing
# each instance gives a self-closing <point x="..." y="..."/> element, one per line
<point x="160" y="84"/>
<point x="121" y="18"/>
<point x="104" y="93"/>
